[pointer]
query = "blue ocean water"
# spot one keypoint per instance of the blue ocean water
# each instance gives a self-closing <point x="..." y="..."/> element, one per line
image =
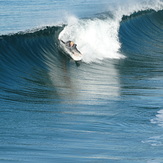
<point x="107" y="108"/>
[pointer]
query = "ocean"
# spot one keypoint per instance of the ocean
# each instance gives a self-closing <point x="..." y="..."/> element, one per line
<point x="106" y="108"/>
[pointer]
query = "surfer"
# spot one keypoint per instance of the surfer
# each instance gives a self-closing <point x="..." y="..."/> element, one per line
<point x="72" y="46"/>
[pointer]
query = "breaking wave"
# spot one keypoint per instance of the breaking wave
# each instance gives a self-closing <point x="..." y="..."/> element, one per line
<point x="123" y="33"/>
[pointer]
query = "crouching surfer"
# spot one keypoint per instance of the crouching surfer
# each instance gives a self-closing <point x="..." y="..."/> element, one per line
<point x="71" y="48"/>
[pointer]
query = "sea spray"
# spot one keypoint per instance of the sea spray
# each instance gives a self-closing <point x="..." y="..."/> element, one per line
<point x="97" y="38"/>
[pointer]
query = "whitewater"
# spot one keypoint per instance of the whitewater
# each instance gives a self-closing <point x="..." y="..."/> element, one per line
<point x="97" y="36"/>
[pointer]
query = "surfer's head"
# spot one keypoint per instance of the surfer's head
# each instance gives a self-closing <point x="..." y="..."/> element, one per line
<point x="71" y="44"/>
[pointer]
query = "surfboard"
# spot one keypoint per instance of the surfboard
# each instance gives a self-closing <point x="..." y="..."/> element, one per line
<point x="74" y="53"/>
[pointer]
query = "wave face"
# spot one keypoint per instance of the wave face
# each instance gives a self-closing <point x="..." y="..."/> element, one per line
<point x="141" y="34"/>
<point x="138" y="37"/>
<point x="107" y="108"/>
<point x="23" y="56"/>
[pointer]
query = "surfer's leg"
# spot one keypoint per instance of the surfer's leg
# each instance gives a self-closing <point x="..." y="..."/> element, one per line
<point x="77" y="63"/>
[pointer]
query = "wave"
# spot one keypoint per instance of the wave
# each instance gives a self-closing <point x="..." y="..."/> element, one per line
<point x="99" y="38"/>
<point x="141" y="34"/>
<point x="104" y="36"/>
<point x="107" y="36"/>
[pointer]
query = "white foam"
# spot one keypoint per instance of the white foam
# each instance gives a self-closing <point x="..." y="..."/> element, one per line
<point x="158" y="119"/>
<point x="156" y="140"/>
<point x="131" y="6"/>
<point x="97" y="39"/>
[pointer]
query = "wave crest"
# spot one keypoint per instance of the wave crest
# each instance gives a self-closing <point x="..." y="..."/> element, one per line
<point x="98" y="38"/>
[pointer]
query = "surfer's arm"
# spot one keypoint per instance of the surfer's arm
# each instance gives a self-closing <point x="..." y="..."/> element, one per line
<point x="75" y="46"/>
<point x="62" y="41"/>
